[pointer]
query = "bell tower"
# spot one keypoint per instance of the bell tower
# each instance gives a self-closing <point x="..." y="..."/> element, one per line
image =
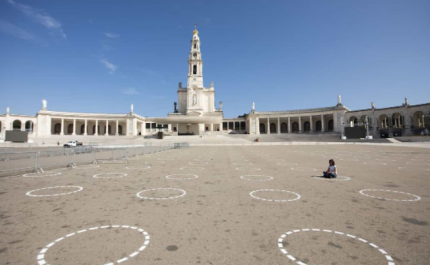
<point x="195" y="63"/>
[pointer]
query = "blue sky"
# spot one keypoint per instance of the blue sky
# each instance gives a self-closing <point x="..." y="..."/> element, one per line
<point x="101" y="56"/>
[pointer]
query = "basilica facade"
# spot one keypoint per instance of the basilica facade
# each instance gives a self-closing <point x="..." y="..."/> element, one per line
<point x="195" y="113"/>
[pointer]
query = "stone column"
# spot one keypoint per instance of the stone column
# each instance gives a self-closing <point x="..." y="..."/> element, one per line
<point x="62" y="127"/>
<point x="279" y="125"/>
<point x="322" y="123"/>
<point x="221" y="127"/>
<point x="96" y="131"/>
<point x="311" y="123"/>
<point x="134" y="127"/>
<point x="268" y="126"/>
<point x="423" y="122"/>
<point x="22" y="126"/>
<point x="116" y="127"/>
<point x="228" y="126"/>
<point x="211" y="127"/>
<point x="142" y="128"/>
<point x="289" y="124"/>
<point x="107" y="128"/>
<point x="257" y="125"/>
<point x="85" y="127"/>
<point x="74" y="127"/>
<point x="300" y="124"/>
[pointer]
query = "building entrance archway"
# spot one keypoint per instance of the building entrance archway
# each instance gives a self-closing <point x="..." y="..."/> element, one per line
<point x="16" y="125"/>
<point x="284" y="127"/>
<point x="272" y="128"/>
<point x="295" y="127"/>
<point x="262" y="128"/>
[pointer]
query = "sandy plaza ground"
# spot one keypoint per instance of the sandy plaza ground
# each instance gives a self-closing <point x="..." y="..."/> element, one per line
<point x="224" y="205"/>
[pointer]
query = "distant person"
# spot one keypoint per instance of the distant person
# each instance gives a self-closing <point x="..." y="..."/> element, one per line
<point x="331" y="170"/>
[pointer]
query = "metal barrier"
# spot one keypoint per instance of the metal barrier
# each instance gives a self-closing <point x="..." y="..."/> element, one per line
<point x="69" y="157"/>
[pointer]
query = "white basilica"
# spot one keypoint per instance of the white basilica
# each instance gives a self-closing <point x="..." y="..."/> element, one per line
<point x="195" y="114"/>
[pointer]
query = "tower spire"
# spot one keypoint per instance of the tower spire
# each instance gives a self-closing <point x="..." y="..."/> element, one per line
<point x="195" y="31"/>
<point x="195" y="62"/>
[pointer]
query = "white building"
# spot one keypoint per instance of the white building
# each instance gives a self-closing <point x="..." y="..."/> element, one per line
<point x="196" y="114"/>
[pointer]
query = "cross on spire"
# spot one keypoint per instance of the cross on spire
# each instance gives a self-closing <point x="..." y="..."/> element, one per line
<point x="195" y="25"/>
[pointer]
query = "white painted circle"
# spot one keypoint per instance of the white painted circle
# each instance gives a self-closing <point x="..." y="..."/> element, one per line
<point x="87" y="167"/>
<point x="274" y="190"/>
<point x="414" y="169"/>
<point x="113" y="162"/>
<point x="173" y="176"/>
<point x="417" y="198"/>
<point x="198" y="163"/>
<point x="339" y="178"/>
<point x="56" y="194"/>
<point x="375" y="163"/>
<point x="287" y="164"/>
<point x="265" y="178"/>
<point x="191" y="168"/>
<point x="41" y="257"/>
<point x="162" y="198"/>
<point x="154" y="162"/>
<point x="291" y="257"/>
<point x="41" y="175"/>
<point x="107" y="175"/>
<point x="138" y="167"/>
<point x="248" y="168"/>
<point x="303" y="169"/>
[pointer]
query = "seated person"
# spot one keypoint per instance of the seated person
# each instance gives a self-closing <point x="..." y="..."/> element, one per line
<point x="331" y="170"/>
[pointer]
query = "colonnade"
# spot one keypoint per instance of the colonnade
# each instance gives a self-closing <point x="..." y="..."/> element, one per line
<point x="108" y="123"/>
<point x="290" y="124"/>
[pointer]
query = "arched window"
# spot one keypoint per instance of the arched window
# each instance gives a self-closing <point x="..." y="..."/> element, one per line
<point x="29" y="126"/>
<point x="318" y="126"/>
<point x="16" y="125"/>
<point x="355" y="122"/>
<point x="284" y="127"/>
<point x="384" y="121"/>
<point x="70" y="129"/>
<point x="82" y="129"/>
<point x="418" y="119"/>
<point x="307" y="126"/>
<point x="109" y="130"/>
<point x="262" y="128"/>
<point x="57" y="128"/>
<point x="272" y="128"/>
<point x="194" y="69"/>
<point x="295" y="127"/>
<point x="120" y="129"/>
<point x="195" y="46"/>
<point x="330" y="126"/>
